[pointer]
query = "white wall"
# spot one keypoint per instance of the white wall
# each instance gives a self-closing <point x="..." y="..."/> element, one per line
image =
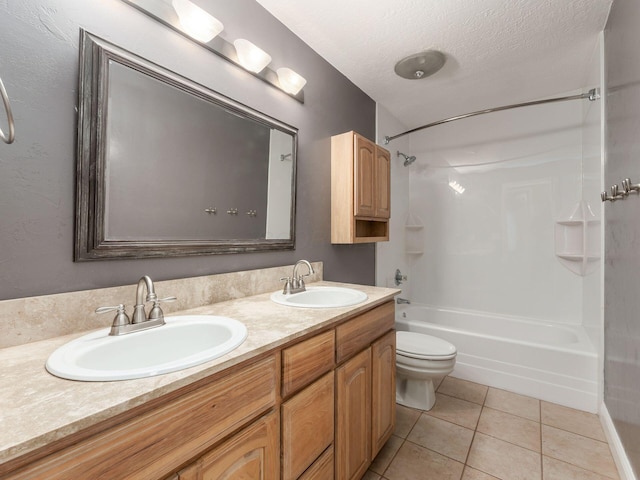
<point x="592" y="185"/>
<point x="390" y="255"/>
<point x="622" y="231"/>
<point x="278" y="197"/>
<point x="492" y="247"/>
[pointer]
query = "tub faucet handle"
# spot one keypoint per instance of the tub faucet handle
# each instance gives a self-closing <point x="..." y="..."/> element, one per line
<point x="399" y="278"/>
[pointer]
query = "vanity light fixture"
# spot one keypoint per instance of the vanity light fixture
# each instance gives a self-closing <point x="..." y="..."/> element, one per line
<point x="290" y="81"/>
<point x="196" y="22"/>
<point x="250" y="56"/>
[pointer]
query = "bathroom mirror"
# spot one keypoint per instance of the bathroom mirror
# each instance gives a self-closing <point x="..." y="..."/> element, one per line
<point x="169" y="167"/>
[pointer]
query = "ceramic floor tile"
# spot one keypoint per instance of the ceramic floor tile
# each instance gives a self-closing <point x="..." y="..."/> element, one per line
<point x="576" y="421"/>
<point x="456" y="411"/>
<point x="405" y="420"/>
<point x="513" y="403"/>
<point x="504" y="460"/>
<point x="469" y="391"/>
<point x="386" y="454"/>
<point x="415" y="462"/>
<point x="577" y="450"/>
<point x="510" y="428"/>
<point x="556" y="470"/>
<point x="442" y="437"/>
<point x="369" y="475"/>
<point x="473" y="474"/>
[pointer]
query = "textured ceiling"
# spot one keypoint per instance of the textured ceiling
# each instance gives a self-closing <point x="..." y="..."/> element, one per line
<point x="498" y="51"/>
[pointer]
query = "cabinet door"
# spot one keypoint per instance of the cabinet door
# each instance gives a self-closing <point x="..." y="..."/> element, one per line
<point x="383" y="391"/>
<point x="252" y="453"/>
<point x="353" y="417"/>
<point x="383" y="184"/>
<point x="364" y="181"/>
<point x="307" y="426"/>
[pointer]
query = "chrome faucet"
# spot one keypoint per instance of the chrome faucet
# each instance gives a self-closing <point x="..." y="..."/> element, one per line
<point x="121" y="324"/>
<point x="401" y="301"/>
<point x="295" y="283"/>
<point x="139" y="315"/>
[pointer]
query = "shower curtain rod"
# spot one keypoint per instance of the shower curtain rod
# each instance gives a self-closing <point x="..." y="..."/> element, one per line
<point x="592" y="95"/>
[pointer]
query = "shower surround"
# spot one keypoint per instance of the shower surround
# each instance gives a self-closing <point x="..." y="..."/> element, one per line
<point x="489" y="192"/>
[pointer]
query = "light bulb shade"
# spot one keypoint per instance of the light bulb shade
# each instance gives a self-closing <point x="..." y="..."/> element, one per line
<point x="196" y="22"/>
<point x="251" y="57"/>
<point x="290" y="81"/>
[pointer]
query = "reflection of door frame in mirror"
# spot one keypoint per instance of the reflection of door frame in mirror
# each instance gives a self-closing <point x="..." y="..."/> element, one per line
<point x="90" y="240"/>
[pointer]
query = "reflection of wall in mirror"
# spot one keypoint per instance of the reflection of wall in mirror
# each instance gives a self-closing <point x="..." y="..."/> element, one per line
<point x="171" y="156"/>
<point x="279" y="186"/>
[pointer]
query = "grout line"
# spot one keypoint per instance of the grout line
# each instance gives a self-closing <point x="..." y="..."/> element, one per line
<point x="540" y="428"/>
<point x="404" y="440"/>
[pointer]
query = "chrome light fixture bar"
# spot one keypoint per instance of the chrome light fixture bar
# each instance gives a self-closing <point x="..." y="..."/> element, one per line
<point x="200" y="26"/>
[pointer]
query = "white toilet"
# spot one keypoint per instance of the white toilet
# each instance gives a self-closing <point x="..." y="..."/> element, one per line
<point x="420" y="359"/>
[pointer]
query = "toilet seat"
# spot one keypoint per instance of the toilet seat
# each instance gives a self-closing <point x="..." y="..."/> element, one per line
<point x="423" y="347"/>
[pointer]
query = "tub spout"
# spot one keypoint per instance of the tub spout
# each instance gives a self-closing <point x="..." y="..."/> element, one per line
<point x="401" y="301"/>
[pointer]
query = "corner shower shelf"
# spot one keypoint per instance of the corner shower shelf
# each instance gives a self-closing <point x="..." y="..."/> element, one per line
<point x="413" y="236"/>
<point x="576" y="239"/>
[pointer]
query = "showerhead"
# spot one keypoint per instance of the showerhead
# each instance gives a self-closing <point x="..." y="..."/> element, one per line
<point x="408" y="160"/>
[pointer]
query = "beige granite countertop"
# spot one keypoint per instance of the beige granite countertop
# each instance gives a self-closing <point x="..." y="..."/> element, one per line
<point x="37" y="408"/>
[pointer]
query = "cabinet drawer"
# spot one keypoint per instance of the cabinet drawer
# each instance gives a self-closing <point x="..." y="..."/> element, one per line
<point x="306" y="361"/>
<point x="307" y="426"/>
<point x="322" y="468"/>
<point x="159" y="441"/>
<point x="357" y="334"/>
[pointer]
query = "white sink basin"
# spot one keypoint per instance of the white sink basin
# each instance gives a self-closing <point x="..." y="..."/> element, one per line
<point x="321" y="297"/>
<point x="183" y="342"/>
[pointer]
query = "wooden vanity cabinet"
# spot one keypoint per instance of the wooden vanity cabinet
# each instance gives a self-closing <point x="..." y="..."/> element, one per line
<point x="365" y="390"/>
<point x="316" y="409"/>
<point x="383" y="391"/>
<point x="353" y="417"/>
<point x="252" y="453"/>
<point x="168" y="434"/>
<point x="360" y="190"/>
<point x="307" y="414"/>
<point x="307" y="426"/>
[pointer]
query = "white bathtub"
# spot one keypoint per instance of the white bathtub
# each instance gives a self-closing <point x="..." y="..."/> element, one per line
<point x="551" y="362"/>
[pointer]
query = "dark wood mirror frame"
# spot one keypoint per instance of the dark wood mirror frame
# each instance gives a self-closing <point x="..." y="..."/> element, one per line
<point x="91" y="242"/>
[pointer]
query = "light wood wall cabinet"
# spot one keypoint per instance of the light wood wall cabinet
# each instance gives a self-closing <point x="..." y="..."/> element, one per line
<point x="360" y="190"/>
<point x="318" y="408"/>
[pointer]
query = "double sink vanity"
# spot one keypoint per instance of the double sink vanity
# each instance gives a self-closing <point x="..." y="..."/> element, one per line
<point x="307" y="390"/>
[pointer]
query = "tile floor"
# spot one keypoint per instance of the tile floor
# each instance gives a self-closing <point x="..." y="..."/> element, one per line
<point x="476" y="432"/>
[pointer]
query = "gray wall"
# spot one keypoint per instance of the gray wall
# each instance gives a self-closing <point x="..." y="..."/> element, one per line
<point x="622" y="229"/>
<point x="39" y="63"/>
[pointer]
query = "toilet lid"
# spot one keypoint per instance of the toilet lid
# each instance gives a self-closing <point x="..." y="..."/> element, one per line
<point x="419" y="345"/>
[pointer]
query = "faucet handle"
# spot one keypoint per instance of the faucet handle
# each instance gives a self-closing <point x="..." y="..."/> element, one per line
<point x="287" y="285"/>
<point x="121" y="317"/>
<point x="156" y="312"/>
<point x="298" y="283"/>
